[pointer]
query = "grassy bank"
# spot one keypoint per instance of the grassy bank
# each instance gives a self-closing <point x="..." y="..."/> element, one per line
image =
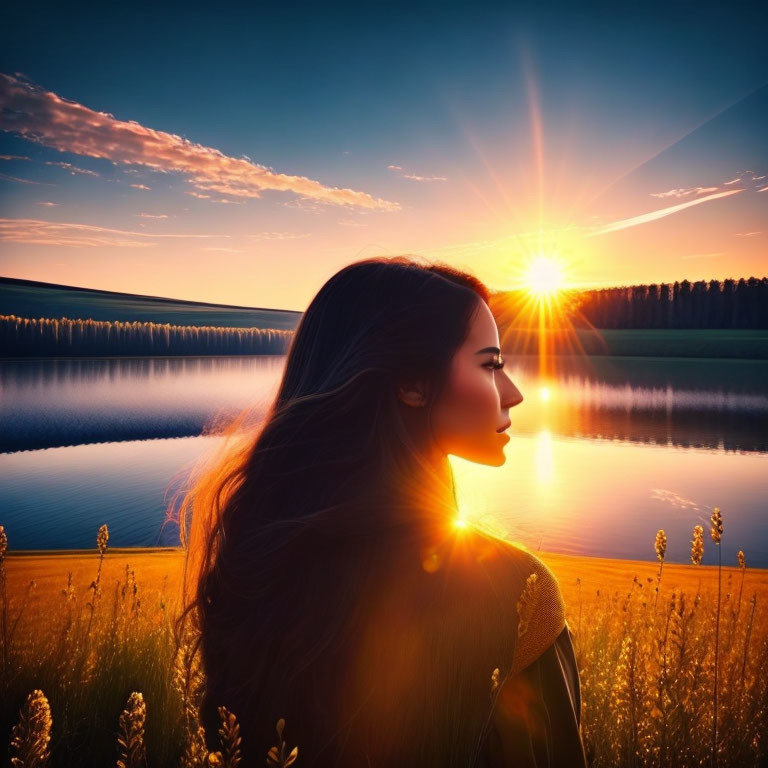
<point x="647" y="665"/>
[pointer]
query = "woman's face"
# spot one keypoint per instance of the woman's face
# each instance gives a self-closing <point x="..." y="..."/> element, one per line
<point x="471" y="415"/>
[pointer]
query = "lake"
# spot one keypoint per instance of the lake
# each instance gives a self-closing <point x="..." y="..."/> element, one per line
<point x="603" y="451"/>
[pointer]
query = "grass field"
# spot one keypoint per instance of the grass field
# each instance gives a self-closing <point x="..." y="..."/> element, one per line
<point x="647" y="670"/>
<point x="28" y="298"/>
<point x="31" y="299"/>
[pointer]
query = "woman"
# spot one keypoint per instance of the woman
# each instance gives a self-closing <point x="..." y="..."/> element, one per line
<point x="332" y="586"/>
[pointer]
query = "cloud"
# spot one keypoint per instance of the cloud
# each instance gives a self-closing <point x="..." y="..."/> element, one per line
<point x="702" y="255"/>
<point x="152" y="215"/>
<point x="732" y="181"/>
<point x="73" y="169"/>
<point x="48" y="119"/>
<point x="39" y="232"/>
<point x="661" y="213"/>
<point x="763" y="189"/>
<point x="47" y="203"/>
<point x="684" y="192"/>
<point x="141" y="186"/>
<point x="8" y="177"/>
<point x="415" y="177"/>
<point x="13" y="157"/>
<point x="277" y="236"/>
<point x="747" y="234"/>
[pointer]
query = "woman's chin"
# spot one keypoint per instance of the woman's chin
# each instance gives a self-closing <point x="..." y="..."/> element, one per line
<point x="493" y="457"/>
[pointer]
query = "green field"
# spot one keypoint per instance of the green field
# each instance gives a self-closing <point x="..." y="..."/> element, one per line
<point x="27" y="298"/>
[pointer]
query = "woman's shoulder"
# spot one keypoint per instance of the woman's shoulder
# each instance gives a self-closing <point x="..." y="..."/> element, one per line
<point x="532" y="586"/>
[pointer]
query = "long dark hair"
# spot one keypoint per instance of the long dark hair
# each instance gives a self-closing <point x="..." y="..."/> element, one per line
<point x="316" y="544"/>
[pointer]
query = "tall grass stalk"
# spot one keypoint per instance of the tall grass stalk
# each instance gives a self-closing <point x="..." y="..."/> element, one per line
<point x="716" y="531"/>
<point x="660" y="545"/>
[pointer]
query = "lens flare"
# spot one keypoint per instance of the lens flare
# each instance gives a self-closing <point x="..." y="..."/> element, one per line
<point x="544" y="276"/>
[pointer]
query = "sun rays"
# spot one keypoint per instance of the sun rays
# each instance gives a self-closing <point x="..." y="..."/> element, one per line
<point x="544" y="276"/>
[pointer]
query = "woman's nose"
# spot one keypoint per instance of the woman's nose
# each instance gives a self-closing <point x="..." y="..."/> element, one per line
<point x="511" y="395"/>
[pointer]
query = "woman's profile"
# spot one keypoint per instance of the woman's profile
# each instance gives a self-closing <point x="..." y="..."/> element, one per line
<point x="330" y="584"/>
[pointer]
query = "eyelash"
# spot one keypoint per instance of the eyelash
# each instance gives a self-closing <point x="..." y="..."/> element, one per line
<point x="495" y="366"/>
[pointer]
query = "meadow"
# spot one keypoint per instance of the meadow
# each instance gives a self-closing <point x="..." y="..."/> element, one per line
<point x="90" y="675"/>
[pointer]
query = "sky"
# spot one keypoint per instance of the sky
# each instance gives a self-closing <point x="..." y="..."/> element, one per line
<point x="242" y="154"/>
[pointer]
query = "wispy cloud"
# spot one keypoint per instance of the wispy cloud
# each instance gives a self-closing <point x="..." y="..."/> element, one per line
<point x="747" y="234"/>
<point x="685" y="192"/>
<point x="13" y="157"/>
<point x="152" y="215"/>
<point x="8" y="177"/>
<point x="73" y="169"/>
<point x="47" y="203"/>
<point x="39" y="232"/>
<point x="48" y="119"/>
<point x="414" y="176"/>
<point x="661" y="213"/>
<point x="703" y="255"/>
<point x="732" y="181"/>
<point x="141" y="186"/>
<point x="277" y="236"/>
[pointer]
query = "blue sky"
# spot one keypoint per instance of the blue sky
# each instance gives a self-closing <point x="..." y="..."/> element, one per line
<point x="479" y="134"/>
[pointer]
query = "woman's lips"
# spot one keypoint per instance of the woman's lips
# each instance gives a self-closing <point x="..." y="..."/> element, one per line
<point x="504" y="428"/>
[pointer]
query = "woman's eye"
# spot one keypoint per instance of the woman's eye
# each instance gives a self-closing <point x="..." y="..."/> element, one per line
<point x="494" y="366"/>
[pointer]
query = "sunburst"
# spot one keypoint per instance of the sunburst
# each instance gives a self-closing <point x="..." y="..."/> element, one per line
<point x="544" y="276"/>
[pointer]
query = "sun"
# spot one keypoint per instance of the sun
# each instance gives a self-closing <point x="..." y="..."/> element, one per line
<point x="544" y="276"/>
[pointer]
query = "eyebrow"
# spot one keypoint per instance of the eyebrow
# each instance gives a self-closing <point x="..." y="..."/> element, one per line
<point x="488" y="349"/>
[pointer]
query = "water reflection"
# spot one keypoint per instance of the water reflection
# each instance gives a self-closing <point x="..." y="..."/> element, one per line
<point x="718" y="405"/>
<point x="49" y="403"/>
<point x="607" y="498"/>
<point x="604" y="452"/>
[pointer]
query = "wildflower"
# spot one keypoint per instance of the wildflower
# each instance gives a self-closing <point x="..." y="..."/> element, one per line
<point x="661" y="545"/>
<point x="742" y="561"/>
<point x="32" y="734"/>
<point x="131" y="738"/>
<point x="525" y="604"/>
<point x="494" y="680"/>
<point x="3" y="543"/>
<point x="101" y="538"/>
<point x="276" y="758"/>
<point x="717" y="525"/>
<point x="697" y="545"/>
<point x="229" y="734"/>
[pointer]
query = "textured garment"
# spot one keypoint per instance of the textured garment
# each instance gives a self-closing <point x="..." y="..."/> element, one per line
<point x="538" y="712"/>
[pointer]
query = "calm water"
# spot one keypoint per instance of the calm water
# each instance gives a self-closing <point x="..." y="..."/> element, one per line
<point x="604" y="451"/>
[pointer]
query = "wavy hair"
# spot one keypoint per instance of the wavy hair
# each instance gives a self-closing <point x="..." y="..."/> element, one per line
<point x="308" y="545"/>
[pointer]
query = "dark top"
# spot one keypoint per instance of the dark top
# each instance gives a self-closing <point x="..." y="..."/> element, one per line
<point x="538" y="712"/>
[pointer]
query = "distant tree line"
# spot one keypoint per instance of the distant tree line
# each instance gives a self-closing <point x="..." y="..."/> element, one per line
<point x="684" y="304"/>
<point x="41" y="337"/>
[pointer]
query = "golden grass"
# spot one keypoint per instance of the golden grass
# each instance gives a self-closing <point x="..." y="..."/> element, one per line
<point x="646" y="661"/>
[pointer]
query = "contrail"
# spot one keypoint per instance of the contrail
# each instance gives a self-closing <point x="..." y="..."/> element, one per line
<point x="653" y="215"/>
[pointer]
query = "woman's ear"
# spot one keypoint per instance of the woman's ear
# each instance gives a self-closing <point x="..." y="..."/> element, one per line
<point x="411" y="394"/>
